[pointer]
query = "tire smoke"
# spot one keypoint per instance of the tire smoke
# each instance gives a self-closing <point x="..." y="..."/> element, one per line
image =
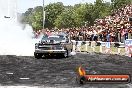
<point x="14" y="40"/>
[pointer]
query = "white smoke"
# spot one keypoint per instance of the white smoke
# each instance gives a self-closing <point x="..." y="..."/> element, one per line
<point x="14" y="40"/>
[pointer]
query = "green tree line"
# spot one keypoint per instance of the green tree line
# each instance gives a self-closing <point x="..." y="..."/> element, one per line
<point x="60" y="16"/>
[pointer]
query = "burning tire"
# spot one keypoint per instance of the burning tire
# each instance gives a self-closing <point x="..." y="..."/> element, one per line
<point x="81" y="80"/>
<point x="80" y="77"/>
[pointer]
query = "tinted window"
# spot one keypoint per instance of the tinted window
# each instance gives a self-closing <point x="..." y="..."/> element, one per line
<point x="56" y="38"/>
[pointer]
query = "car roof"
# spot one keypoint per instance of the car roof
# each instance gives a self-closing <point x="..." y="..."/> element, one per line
<point x="63" y="34"/>
<point x="54" y="36"/>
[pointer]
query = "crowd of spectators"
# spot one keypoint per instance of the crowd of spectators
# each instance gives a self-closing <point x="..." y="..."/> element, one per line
<point x="114" y="28"/>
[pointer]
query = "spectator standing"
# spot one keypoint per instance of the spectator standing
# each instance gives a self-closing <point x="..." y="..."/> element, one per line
<point x="108" y="50"/>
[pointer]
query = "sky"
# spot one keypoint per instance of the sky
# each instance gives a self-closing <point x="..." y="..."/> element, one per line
<point x="23" y="5"/>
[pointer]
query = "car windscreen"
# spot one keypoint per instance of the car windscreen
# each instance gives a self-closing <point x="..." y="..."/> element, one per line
<point x="56" y="38"/>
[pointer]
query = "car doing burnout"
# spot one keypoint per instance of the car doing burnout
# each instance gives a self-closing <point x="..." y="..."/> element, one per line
<point x="53" y="45"/>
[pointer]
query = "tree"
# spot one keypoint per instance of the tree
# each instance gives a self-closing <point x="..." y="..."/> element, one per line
<point x="36" y="18"/>
<point x="26" y="15"/>
<point x="102" y="8"/>
<point x="120" y="3"/>
<point x="79" y="14"/>
<point x="52" y="11"/>
<point x="65" y="20"/>
<point x="58" y="15"/>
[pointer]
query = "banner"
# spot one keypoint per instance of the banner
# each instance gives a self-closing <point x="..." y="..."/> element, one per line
<point x="128" y="47"/>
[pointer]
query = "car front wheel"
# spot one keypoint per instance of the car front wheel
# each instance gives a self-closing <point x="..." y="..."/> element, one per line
<point x="66" y="54"/>
<point x="38" y="56"/>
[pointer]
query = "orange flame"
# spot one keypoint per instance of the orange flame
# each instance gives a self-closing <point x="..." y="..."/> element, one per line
<point x="81" y="71"/>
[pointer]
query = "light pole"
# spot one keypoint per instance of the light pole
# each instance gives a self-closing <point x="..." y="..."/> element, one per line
<point x="43" y="15"/>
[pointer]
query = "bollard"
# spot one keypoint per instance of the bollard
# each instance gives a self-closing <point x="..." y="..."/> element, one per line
<point x="74" y="45"/>
<point x="101" y="47"/>
<point x="119" y="50"/>
<point x="79" y="46"/>
<point x="86" y="46"/>
<point x="108" y="49"/>
<point x="93" y="46"/>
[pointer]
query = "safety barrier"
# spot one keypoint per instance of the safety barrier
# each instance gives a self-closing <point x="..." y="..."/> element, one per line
<point x="104" y="47"/>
